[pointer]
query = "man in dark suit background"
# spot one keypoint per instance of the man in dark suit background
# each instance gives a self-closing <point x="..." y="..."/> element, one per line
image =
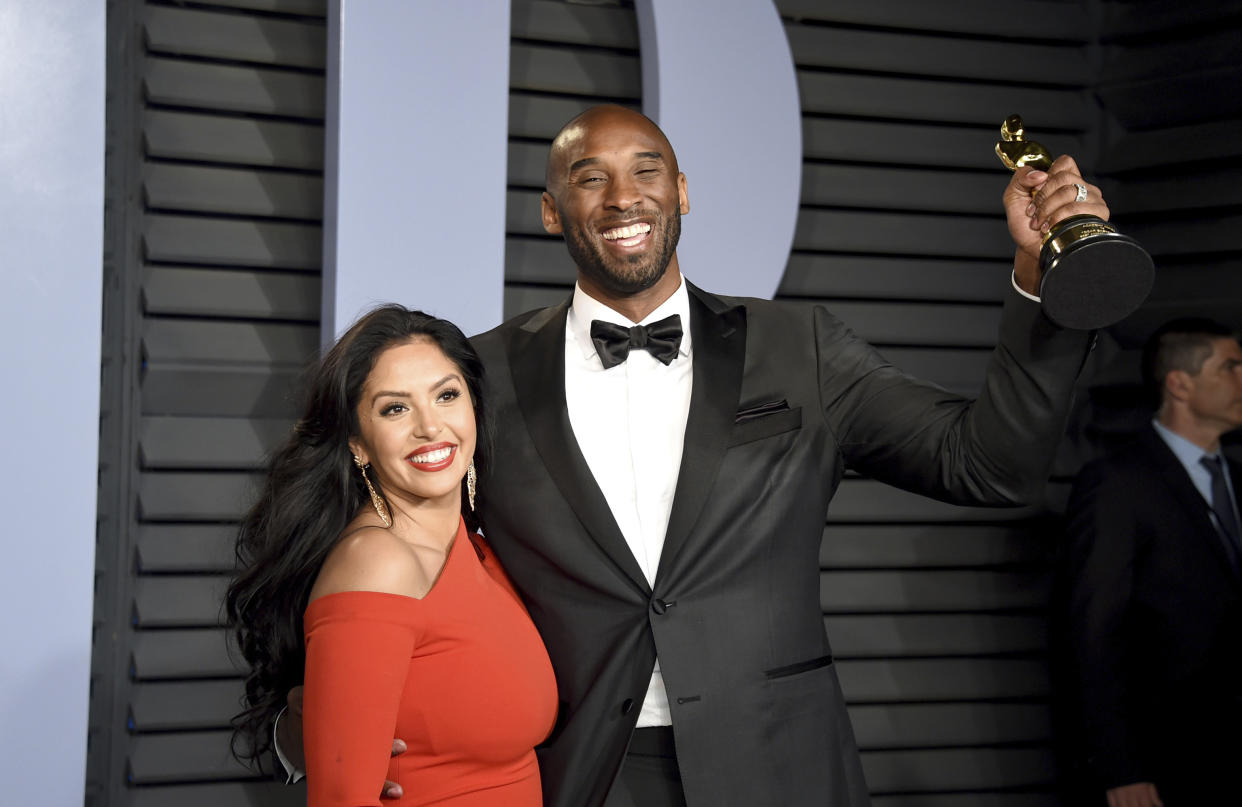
<point x="1152" y="588"/>
<point x="658" y="494"/>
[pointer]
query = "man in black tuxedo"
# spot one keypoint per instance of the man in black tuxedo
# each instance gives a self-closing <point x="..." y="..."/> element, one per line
<point x="676" y="582"/>
<point x="658" y="494"/>
<point x="1153" y="591"/>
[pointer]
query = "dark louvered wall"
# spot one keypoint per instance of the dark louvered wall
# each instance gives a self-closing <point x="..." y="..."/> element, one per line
<point x="215" y="200"/>
<point x="1171" y="155"/>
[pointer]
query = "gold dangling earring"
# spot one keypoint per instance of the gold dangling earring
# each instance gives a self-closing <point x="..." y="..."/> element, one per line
<point x="381" y="509"/>
<point x="472" y="480"/>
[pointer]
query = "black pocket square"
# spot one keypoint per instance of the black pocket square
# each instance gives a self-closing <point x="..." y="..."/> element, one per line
<point x="759" y="410"/>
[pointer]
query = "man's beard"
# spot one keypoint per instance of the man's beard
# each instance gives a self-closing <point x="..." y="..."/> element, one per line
<point x="631" y="275"/>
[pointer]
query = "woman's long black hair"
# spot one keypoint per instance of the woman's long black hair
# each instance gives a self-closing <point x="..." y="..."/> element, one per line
<point x="312" y="490"/>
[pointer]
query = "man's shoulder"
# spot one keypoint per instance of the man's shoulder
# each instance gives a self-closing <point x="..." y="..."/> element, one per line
<point x="1135" y="457"/>
<point x="757" y="308"/>
<point x="505" y="331"/>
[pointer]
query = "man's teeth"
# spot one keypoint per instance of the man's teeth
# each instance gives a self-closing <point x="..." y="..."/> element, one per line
<point x="439" y="455"/>
<point x="627" y="232"/>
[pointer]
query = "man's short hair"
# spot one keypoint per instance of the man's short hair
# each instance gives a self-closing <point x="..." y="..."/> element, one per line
<point x="1180" y="344"/>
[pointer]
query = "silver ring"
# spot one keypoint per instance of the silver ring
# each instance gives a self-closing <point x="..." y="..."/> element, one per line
<point x="1082" y="192"/>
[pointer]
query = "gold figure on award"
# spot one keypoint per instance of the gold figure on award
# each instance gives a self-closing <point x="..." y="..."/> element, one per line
<point x="1091" y="275"/>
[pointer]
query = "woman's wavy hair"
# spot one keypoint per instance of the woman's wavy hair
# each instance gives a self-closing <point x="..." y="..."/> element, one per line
<point x="311" y="491"/>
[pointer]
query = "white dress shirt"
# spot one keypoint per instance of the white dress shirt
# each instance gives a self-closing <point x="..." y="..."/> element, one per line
<point x="630" y="423"/>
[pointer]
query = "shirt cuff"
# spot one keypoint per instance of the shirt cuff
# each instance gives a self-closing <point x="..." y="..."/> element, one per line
<point x="1013" y="278"/>
<point x="292" y="774"/>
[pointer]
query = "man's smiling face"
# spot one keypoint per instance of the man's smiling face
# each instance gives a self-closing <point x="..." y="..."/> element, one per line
<point x="615" y="193"/>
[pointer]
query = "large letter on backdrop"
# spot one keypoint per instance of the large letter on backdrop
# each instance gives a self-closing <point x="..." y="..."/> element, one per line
<point x="414" y="170"/>
<point x="52" y="64"/>
<point x="719" y="79"/>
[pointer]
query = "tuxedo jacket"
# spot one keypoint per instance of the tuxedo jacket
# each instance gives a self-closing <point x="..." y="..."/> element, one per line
<point x="1155" y="622"/>
<point x="784" y="399"/>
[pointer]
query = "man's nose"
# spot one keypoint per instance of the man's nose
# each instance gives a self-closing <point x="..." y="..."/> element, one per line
<point x="622" y="193"/>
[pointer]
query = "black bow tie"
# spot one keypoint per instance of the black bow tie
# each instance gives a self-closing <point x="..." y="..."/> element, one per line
<point x="613" y="343"/>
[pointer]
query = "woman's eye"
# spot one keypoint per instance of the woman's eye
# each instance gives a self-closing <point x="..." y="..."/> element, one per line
<point x="449" y="395"/>
<point x="392" y="408"/>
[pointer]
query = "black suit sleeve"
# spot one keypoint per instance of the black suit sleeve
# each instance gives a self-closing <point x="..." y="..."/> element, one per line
<point x="995" y="450"/>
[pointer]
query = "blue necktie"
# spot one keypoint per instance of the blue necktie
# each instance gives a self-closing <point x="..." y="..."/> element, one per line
<point x="1222" y="506"/>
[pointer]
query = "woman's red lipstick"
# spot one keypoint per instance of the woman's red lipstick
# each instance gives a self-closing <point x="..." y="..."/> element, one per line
<point x="433" y="457"/>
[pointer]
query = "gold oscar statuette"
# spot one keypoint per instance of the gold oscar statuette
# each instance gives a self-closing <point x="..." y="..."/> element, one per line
<point x="1091" y="276"/>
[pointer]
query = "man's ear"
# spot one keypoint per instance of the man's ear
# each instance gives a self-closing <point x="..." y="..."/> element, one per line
<point x="683" y="197"/>
<point x="1177" y="385"/>
<point x="548" y="212"/>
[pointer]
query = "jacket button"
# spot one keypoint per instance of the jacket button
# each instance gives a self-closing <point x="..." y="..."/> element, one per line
<point x="628" y="706"/>
<point x="659" y="606"/>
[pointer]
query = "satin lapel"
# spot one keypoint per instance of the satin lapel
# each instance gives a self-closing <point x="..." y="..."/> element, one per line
<point x="718" y="340"/>
<point x="1235" y="474"/>
<point x="1174" y="474"/>
<point x="537" y="360"/>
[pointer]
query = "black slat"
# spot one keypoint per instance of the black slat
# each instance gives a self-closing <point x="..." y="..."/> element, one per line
<point x="1058" y="22"/>
<point x="860" y="592"/>
<point x="193" y="756"/>
<point x="957" y="769"/>
<point x="179" y="601"/>
<point x="573" y="71"/>
<point x="178" y="388"/>
<point x="204" y="548"/>
<point x="236" y="89"/>
<point x="234" y="794"/>
<point x="215" y="443"/>
<point x="569" y="23"/>
<point x="236" y="37"/>
<point x="932" y="190"/>
<point x="897" y="278"/>
<point x="887" y="233"/>
<point x="235" y="191"/>
<point x="223" y="341"/>
<point x="185" y="705"/>
<point x="889" y="52"/>
<point x="904" y="635"/>
<point x="223" y="139"/>
<point x="253" y="294"/>
<point x="948" y="725"/>
<point x="942" y="101"/>
<point x="232" y="242"/>
<point x="928" y="546"/>
<point x="195" y="496"/>
<point x="938" y="679"/>
<point x="186" y="653"/>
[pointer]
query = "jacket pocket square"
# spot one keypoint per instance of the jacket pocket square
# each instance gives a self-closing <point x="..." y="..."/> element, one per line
<point x="776" y="419"/>
<point x="759" y="410"/>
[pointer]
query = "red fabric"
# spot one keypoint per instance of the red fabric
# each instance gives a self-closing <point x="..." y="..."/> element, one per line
<point x="461" y="675"/>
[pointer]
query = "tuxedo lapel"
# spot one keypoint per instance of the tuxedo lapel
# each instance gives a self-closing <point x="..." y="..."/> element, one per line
<point x="537" y="360"/>
<point x="1188" y="496"/>
<point x="718" y="340"/>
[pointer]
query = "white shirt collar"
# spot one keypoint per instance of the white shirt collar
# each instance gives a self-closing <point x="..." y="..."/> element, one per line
<point x="584" y="309"/>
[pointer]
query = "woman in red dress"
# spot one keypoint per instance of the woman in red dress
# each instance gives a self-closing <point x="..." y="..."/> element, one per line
<point x="364" y="575"/>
